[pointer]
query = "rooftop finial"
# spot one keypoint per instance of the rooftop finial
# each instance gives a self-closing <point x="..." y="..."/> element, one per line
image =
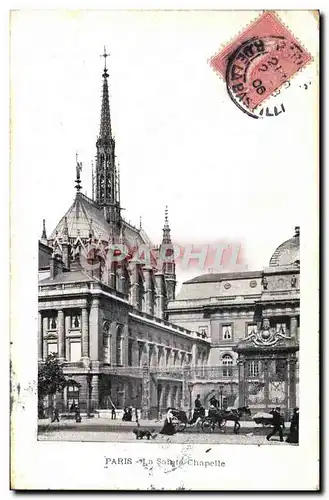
<point x="166" y="216"/>
<point x="105" y="55"/>
<point x="78" y="186"/>
<point x="44" y="233"/>
<point x="297" y="230"/>
<point x="140" y="222"/>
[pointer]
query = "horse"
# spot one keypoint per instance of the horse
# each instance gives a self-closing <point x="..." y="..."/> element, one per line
<point x="222" y="416"/>
<point x="235" y="416"/>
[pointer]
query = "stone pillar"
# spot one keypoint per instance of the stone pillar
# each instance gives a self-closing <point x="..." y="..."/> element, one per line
<point x="94" y="329"/>
<point x="160" y="300"/>
<point x="194" y="354"/>
<point x="44" y="333"/>
<point x="61" y="335"/>
<point x="40" y="337"/>
<point x="185" y="388"/>
<point x="293" y="326"/>
<point x="125" y="334"/>
<point x="85" y="332"/>
<point x="154" y="358"/>
<point x="135" y="353"/>
<point x="145" y="392"/>
<point x="149" y="302"/>
<point x="113" y="337"/>
<point x="242" y="395"/>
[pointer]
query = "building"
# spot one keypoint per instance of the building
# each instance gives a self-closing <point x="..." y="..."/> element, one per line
<point x="123" y="336"/>
<point x="102" y="310"/>
<point x="252" y="319"/>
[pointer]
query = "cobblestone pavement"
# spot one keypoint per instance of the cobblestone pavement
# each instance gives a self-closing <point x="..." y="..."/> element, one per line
<point x="184" y="437"/>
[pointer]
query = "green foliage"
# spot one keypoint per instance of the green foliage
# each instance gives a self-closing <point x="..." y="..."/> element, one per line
<point x="50" y="376"/>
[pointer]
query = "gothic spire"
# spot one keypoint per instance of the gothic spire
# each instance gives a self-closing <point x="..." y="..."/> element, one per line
<point x="166" y="239"/>
<point x="105" y="133"/>
<point x="107" y="183"/>
<point x="44" y="233"/>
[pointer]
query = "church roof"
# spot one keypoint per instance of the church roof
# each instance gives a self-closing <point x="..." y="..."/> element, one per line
<point x="67" y="277"/>
<point x="217" y="277"/>
<point x="85" y="215"/>
<point x="287" y="253"/>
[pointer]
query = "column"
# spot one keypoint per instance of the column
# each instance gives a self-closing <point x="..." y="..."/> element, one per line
<point x="186" y="388"/>
<point x="61" y="335"/>
<point x="40" y="337"/>
<point x="94" y="329"/>
<point x="149" y="305"/>
<point x="194" y="354"/>
<point x="293" y="326"/>
<point x="44" y="333"/>
<point x="145" y="392"/>
<point x="125" y="334"/>
<point x="242" y="396"/>
<point x="135" y="353"/>
<point x="85" y="332"/>
<point x="113" y="333"/>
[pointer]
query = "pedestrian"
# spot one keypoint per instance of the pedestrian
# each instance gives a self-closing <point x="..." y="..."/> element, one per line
<point x="293" y="436"/>
<point x="277" y="424"/>
<point x="168" y="427"/>
<point x="77" y="415"/>
<point x="113" y="412"/>
<point x="56" y="416"/>
<point x="136" y="415"/>
<point x="214" y="402"/>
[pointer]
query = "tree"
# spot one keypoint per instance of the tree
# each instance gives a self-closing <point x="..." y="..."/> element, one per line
<point x="51" y="378"/>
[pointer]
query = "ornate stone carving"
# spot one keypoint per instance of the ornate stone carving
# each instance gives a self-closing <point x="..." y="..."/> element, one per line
<point x="265" y="283"/>
<point x="106" y="327"/>
<point x="227" y="286"/>
<point x="266" y="336"/>
<point x="253" y="284"/>
<point x="293" y="281"/>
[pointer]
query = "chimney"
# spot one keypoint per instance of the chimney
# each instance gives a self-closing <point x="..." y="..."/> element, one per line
<point x="56" y="266"/>
<point x="297" y="231"/>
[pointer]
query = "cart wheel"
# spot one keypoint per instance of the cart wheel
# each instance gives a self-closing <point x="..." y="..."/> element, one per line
<point x="222" y="424"/>
<point x="207" y="425"/>
<point x="180" y="426"/>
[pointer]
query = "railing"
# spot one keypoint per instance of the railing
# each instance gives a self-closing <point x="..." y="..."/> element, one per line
<point x="168" y="373"/>
<point x="124" y="371"/>
<point x="225" y="373"/>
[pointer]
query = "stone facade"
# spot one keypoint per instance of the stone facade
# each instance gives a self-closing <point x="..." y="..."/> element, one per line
<point x="231" y="308"/>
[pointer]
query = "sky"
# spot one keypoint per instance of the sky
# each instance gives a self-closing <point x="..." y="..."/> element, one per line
<point x="180" y="140"/>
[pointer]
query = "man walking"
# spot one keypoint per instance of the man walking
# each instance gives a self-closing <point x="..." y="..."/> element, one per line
<point x="277" y="424"/>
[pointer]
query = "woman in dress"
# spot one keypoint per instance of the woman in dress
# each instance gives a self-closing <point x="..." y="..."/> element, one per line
<point x="168" y="427"/>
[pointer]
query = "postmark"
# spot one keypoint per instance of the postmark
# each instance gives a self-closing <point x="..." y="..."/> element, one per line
<point x="259" y="62"/>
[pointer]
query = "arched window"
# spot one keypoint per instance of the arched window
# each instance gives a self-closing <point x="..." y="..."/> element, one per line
<point x="227" y="362"/>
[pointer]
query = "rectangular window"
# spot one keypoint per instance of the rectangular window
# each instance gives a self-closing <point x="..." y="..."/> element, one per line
<point x="75" y="321"/>
<point x="251" y="329"/>
<point x="52" y="348"/>
<point x="281" y="328"/>
<point x="253" y="369"/>
<point x="52" y="322"/>
<point x="227" y="332"/>
<point x="75" y="351"/>
<point x="119" y="350"/>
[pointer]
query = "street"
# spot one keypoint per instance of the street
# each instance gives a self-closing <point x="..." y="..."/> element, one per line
<point x="104" y="430"/>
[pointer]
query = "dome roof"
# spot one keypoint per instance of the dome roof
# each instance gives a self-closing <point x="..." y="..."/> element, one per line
<point x="287" y="254"/>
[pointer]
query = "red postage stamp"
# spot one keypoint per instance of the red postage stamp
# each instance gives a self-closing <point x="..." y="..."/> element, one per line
<point x="259" y="61"/>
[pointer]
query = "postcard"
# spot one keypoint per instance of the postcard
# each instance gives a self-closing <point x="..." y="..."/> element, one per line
<point x="165" y="250"/>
